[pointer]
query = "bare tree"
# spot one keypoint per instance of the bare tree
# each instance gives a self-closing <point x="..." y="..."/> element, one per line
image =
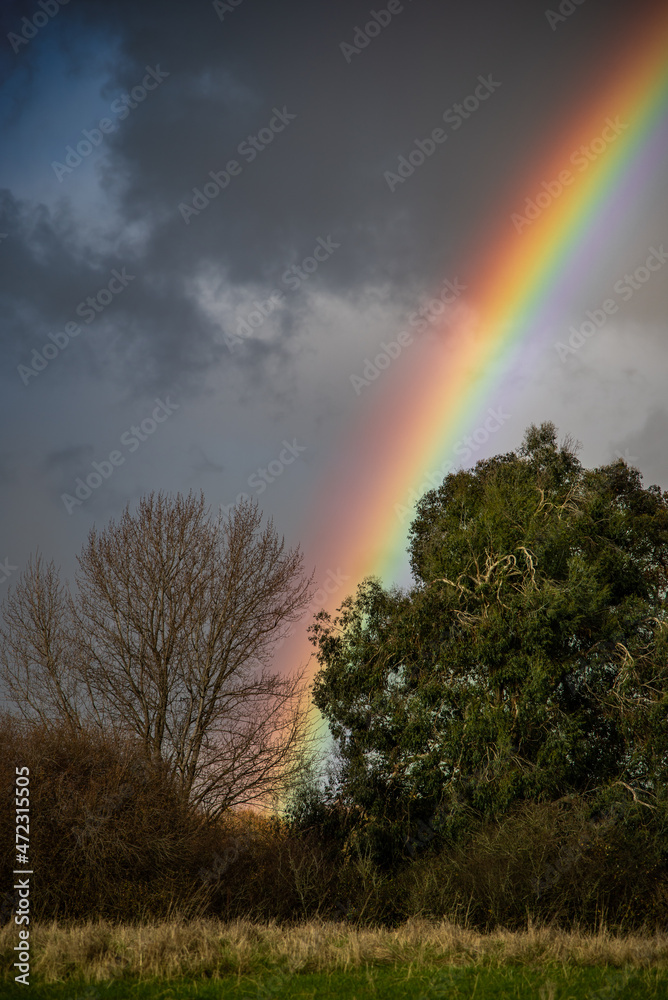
<point x="36" y="645"/>
<point x="168" y="639"/>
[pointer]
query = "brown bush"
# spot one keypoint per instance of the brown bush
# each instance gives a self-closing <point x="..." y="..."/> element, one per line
<point x="110" y="834"/>
<point x="269" y="873"/>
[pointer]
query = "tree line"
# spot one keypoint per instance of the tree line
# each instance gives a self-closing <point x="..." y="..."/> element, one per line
<point x="499" y="733"/>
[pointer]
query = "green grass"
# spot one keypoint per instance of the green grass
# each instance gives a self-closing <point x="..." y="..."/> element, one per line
<point x="399" y="981"/>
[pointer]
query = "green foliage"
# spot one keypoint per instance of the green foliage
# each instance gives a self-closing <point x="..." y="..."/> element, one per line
<point x="401" y="980"/>
<point x="500" y="735"/>
<point x="527" y="662"/>
<point x="573" y="863"/>
<point x="118" y="841"/>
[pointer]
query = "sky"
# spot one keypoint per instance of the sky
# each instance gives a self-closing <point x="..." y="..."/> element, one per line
<point x="215" y="218"/>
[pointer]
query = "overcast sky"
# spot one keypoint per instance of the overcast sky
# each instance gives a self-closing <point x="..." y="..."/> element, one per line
<point x="225" y="327"/>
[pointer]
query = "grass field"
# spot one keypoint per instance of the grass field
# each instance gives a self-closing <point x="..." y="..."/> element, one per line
<point x="207" y="959"/>
<point x="555" y="983"/>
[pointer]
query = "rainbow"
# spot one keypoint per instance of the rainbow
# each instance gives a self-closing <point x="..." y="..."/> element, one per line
<point x="517" y="295"/>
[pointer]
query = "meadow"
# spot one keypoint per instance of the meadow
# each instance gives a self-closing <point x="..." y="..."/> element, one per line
<point x="100" y="960"/>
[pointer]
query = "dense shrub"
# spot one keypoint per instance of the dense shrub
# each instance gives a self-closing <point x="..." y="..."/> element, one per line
<point x="578" y="862"/>
<point x="568" y="863"/>
<point x="109" y="832"/>
<point x="112" y="836"/>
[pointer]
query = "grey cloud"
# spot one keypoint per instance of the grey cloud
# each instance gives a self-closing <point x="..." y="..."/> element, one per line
<point x="646" y="449"/>
<point x="202" y="464"/>
<point x="66" y="460"/>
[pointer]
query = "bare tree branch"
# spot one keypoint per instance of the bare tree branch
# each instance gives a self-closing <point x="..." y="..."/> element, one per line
<point x="168" y="639"/>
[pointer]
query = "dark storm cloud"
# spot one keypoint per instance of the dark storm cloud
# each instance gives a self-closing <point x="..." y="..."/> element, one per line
<point x="193" y="323"/>
<point x="61" y="466"/>
<point x="151" y="329"/>
<point x="65" y="460"/>
<point x="346" y="120"/>
<point x="353" y="120"/>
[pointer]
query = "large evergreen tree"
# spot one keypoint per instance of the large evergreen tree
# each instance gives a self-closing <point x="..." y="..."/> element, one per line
<point x="527" y="662"/>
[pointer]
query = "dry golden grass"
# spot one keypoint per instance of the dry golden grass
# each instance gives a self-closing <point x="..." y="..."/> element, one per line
<point x="102" y="951"/>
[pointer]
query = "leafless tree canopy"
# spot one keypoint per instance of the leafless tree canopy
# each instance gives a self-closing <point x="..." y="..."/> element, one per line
<point x="35" y="647"/>
<point x="167" y="638"/>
